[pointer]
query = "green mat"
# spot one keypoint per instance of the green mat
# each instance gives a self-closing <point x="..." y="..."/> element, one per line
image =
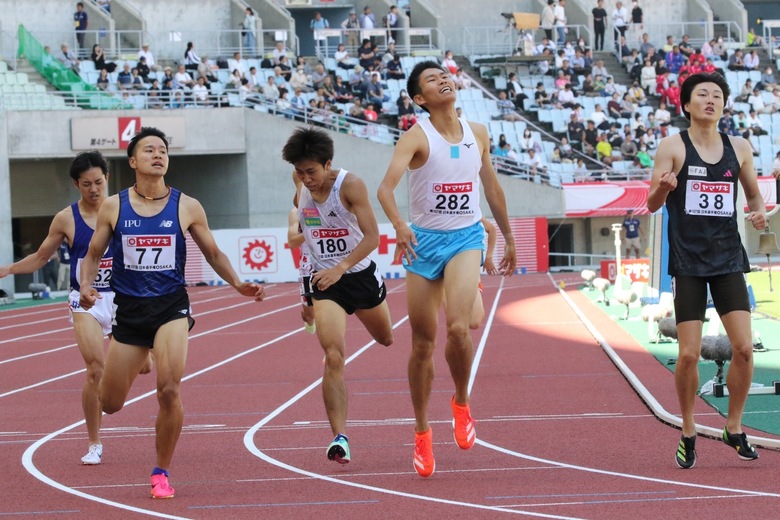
<point x="29" y="302"/>
<point x="762" y="412"/>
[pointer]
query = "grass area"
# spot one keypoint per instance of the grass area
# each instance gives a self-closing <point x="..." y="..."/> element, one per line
<point x="767" y="302"/>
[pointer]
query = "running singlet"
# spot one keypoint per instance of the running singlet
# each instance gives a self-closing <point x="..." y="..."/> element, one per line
<point x="444" y="192"/>
<point x="81" y="237"/>
<point x="703" y="235"/>
<point x="330" y="231"/>
<point x="149" y="252"/>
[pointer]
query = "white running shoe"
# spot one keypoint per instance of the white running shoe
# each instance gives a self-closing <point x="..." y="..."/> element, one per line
<point x="93" y="456"/>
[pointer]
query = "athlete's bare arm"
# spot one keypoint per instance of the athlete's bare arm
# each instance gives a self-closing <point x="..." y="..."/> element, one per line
<point x="193" y="219"/>
<point x="664" y="177"/>
<point x="294" y="235"/>
<point x="494" y="194"/>
<point x="61" y="228"/>
<point x="406" y="149"/>
<point x="354" y="197"/>
<point x="104" y="228"/>
<point x="490" y="231"/>
<point x="749" y="181"/>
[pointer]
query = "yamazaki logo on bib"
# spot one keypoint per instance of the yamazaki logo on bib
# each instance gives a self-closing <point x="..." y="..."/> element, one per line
<point x="151" y="241"/>
<point x="330" y="233"/>
<point x="459" y="187"/>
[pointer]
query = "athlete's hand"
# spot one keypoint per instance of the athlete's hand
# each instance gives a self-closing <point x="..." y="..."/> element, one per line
<point x="326" y="278"/>
<point x="776" y="173"/>
<point x="508" y="263"/>
<point x="404" y="244"/>
<point x="252" y="290"/>
<point x="668" y="181"/>
<point x="5" y="271"/>
<point x="758" y="219"/>
<point x="88" y="296"/>
<point x="489" y="266"/>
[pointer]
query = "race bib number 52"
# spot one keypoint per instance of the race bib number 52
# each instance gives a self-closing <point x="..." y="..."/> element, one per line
<point x="712" y="199"/>
<point x="149" y="253"/>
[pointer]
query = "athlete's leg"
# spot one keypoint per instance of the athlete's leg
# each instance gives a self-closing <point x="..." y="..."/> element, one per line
<point x="423" y="298"/>
<point x="170" y="356"/>
<point x="686" y="372"/>
<point x="123" y="362"/>
<point x="332" y="325"/>
<point x="89" y="337"/>
<point x="307" y="314"/>
<point x="477" y="312"/>
<point x="378" y="323"/>
<point x="740" y="373"/>
<point x="461" y="281"/>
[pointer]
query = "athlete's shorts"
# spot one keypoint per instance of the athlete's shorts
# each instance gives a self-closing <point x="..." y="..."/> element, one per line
<point x="633" y="243"/>
<point x="361" y="290"/>
<point x="137" y="320"/>
<point x="305" y="283"/>
<point x="729" y="293"/>
<point x="435" y="248"/>
<point x="102" y="311"/>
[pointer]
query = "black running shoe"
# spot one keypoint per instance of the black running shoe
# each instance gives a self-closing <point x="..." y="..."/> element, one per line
<point x="686" y="452"/>
<point x="740" y="443"/>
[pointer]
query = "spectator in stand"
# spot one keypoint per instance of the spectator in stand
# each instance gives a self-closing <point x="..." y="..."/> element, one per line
<point x="637" y="16"/>
<point x="124" y="80"/>
<point x="625" y="51"/>
<point x="279" y="51"/>
<point x="599" y="24"/>
<point x="587" y="88"/>
<point x="567" y="152"/>
<point x="768" y="81"/>
<point x="318" y="76"/>
<point x="284" y="106"/>
<point x="149" y="55"/>
<point x="637" y="122"/>
<point x="234" y="80"/>
<point x="154" y="97"/>
<point x="237" y="63"/>
<point x="613" y="106"/>
<point x="182" y="79"/>
<point x="578" y="64"/>
<point x="575" y="131"/>
<point x="367" y="19"/>
<point x="328" y="91"/>
<point x="628" y="150"/>
<point x="285" y="68"/>
<point x="105" y="5"/>
<point x="343" y="93"/>
<point x="406" y="115"/>
<point x="775" y="166"/>
<point x="599" y="117"/>
<point x="200" y="93"/>
<point x="751" y="60"/>
<point x="351" y="26"/>
<point x="614" y="136"/>
<point x="590" y="138"/>
<point x="673" y="97"/>
<point x="317" y="25"/>
<point x="298" y="104"/>
<point x="81" y="21"/>
<point x="68" y="58"/>
<point x="449" y="62"/>
<point x="566" y="97"/>
<point x="736" y="61"/>
<point x="636" y="95"/>
<point x="249" y="30"/>
<point x="506" y="108"/>
<point x="560" y="21"/>
<point x="580" y="171"/>
<point x="342" y="58"/>
<point x="371" y="114"/>
<point x="527" y="142"/>
<point x="662" y="84"/>
<point x="753" y="40"/>
<point x="685" y="47"/>
<point x="390" y="52"/>
<point x="745" y="92"/>
<point x="143" y="70"/>
<point x="756" y="100"/>
<point x="754" y="123"/>
<point x="191" y="58"/>
<point x="100" y="59"/>
<point x="208" y="71"/>
<point x="536" y="165"/>
<point x="270" y="90"/>
<point x="392" y="23"/>
<point x="648" y="76"/>
<point x="357" y="111"/>
<point x="697" y="59"/>
<point x="366" y="54"/>
<point x="604" y="150"/>
<point x="674" y="60"/>
<point x="719" y="50"/>
<point x="600" y="69"/>
<point x="726" y="124"/>
<point x="300" y="80"/>
<point x="619" y="20"/>
<point x="395" y="71"/>
<point x="137" y="80"/>
<point x="547" y="21"/>
<point x="103" y="80"/>
<point x="280" y="80"/>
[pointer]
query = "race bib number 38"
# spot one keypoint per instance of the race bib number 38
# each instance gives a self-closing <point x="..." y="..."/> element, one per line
<point x="451" y="198"/>
<point x="149" y="253"/>
<point x="711" y="199"/>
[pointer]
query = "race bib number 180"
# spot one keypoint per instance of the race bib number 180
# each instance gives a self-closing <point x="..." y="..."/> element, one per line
<point x="712" y="199"/>
<point x="149" y="253"/>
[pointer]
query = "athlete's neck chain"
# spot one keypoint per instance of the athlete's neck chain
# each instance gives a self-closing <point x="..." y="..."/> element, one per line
<point x="135" y="189"/>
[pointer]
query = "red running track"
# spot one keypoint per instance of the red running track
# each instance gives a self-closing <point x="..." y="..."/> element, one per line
<point x="561" y="434"/>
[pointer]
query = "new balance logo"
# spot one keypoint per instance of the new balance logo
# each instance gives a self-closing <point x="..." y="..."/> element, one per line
<point x="332" y="214"/>
<point x="468" y="145"/>
<point x="166" y="223"/>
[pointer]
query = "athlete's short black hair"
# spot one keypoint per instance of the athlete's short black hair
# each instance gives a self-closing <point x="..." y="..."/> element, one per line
<point x="145" y="131"/>
<point x="85" y="161"/>
<point x="413" y="86"/>
<point x="308" y="144"/>
<point x="696" y="79"/>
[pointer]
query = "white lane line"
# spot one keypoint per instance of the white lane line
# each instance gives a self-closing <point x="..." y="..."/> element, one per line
<point x="51" y="351"/>
<point x="27" y="457"/>
<point x="41" y="383"/>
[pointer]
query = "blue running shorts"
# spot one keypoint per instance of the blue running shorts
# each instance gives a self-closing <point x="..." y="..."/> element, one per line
<point x="435" y="248"/>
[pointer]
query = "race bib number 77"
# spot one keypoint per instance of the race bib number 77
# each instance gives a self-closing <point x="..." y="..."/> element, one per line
<point x="149" y="253"/>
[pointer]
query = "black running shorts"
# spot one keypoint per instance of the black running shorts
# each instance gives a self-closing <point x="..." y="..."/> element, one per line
<point x="136" y="320"/>
<point x="729" y="293"/>
<point x="361" y="290"/>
